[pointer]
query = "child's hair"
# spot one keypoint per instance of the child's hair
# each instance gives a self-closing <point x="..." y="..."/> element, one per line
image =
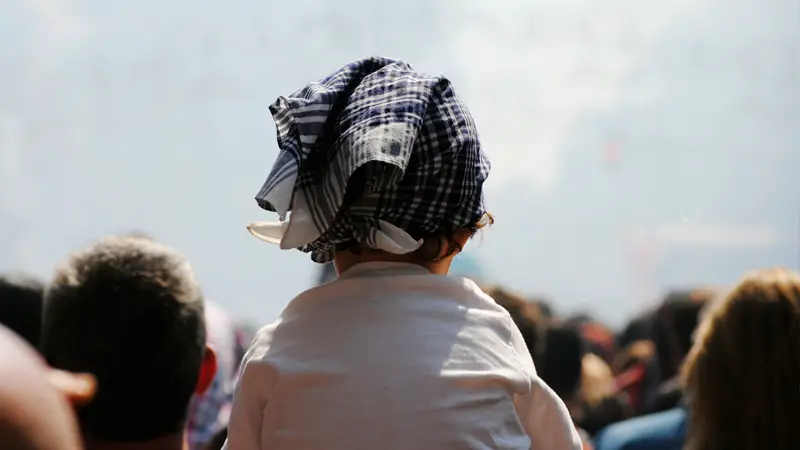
<point x="434" y="248"/>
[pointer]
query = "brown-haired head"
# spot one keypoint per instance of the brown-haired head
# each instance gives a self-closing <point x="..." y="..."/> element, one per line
<point x="743" y="372"/>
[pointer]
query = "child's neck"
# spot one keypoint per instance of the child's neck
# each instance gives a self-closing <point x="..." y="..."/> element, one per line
<point x="345" y="260"/>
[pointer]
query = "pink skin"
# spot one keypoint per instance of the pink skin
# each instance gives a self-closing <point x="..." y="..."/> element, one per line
<point x="34" y="413"/>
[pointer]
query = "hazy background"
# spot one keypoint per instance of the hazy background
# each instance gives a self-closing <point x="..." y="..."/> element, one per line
<point x="637" y="145"/>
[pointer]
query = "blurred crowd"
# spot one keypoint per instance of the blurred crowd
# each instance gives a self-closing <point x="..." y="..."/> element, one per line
<point x="113" y="350"/>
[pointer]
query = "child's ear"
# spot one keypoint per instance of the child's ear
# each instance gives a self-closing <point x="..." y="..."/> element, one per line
<point x="77" y="388"/>
<point x="208" y="370"/>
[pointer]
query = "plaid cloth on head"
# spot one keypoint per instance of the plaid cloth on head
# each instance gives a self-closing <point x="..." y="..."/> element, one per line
<point x="375" y="153"/>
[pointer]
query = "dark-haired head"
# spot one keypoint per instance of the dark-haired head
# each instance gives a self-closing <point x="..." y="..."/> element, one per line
<point x="562" y="361"/>
<point x="674" y="324"/>
<point x="21" y="299"/>
<point x="129" y="311"/>
<point x="640" y="328"/>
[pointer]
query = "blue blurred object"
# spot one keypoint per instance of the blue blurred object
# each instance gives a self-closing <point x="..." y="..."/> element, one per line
<point x="468" y="266"/>
<point x="661" y="431"/>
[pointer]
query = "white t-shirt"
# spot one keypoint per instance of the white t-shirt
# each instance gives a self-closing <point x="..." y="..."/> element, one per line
<point x="390" y="356"/>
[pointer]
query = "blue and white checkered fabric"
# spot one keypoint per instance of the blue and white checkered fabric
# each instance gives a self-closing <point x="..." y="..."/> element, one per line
<point x="410" y="142"/>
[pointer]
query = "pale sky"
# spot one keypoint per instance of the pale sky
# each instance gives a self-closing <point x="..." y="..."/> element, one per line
<point x="153" y="116"/>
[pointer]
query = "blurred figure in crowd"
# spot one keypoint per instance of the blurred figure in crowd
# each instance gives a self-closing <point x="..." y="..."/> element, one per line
<point x="35" y="402"/>
<point x="661" y="431"/>
<point x="545" y="307"/>
<point x="674" y="324"/>
<point x="556" y="350"/>
<point x="583" y="380"/>
<point x="602" y="404"/>
<point x="638" y="376"/>
<point x="598" y="338"/>
<point x="561" y="363"/>
<point x="245" y="333"/>
<point x="21" y="299"/>
<point x="597" y="380"/>
<point x="740" y="377"/>
<point x="743" y="374"/>
<point x="640" y="328"/>
<point x="129" y="311"/>
<point x="633" y="354"/>
<point x="636" y="372"/>
<point x="209" y="412"/>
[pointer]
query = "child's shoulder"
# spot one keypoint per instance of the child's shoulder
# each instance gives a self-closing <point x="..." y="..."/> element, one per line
<point x="477" y="294"/>
<point x="411" y="289"/>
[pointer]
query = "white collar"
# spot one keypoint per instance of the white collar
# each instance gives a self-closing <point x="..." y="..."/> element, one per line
<point x="372" y="267"/>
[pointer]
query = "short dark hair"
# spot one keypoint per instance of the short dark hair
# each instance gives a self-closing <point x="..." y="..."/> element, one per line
<point x="562" y="360"/>
<point x="21" y="298"/>
<point x="674" y="325"/>
<point x="129" y="311"/>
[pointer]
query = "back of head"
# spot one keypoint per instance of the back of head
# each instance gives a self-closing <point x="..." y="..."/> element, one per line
<point x="742" y="374"/>
<point x="33" y="415"/>
<point x="129" y="311"/>
<point x="674" y="326"/>
<point x="21" y="306"/>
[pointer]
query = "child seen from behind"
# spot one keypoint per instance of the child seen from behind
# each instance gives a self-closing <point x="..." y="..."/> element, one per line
<point x="380" y="171"/>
